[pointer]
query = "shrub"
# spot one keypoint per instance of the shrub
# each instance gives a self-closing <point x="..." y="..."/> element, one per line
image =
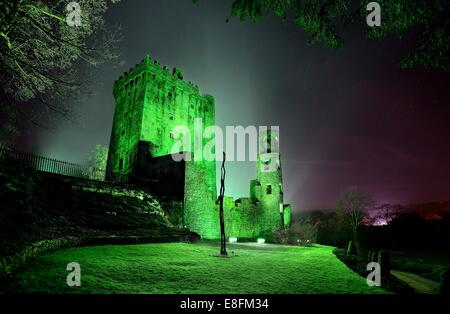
<point x="415" y="267"/>
<point x="435" y="273"/>
<point x="351" y="248"/>
<point x="281" y="236"/>
<point x="374" y="257"/>
<point x="369" y="256"/>
<point x="445" y="281"/>
<point x="303" y="232"/>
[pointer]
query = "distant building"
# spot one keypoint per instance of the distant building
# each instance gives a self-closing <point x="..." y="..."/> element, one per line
<point x="150" y="102"/>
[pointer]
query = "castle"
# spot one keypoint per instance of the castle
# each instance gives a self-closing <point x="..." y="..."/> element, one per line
<point x="150" y="102"/>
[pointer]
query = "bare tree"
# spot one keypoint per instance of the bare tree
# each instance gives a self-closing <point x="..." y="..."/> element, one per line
<point x="97" y="162"/>
<point x="353" y="205"/>
<point x="223" y="239"/>
<point x="44" y="59"/>
<point x="387" y="212"/>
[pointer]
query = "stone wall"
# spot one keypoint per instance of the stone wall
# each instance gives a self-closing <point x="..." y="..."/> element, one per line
<point x="200" y="212"/>
<point x="242" y="218"/>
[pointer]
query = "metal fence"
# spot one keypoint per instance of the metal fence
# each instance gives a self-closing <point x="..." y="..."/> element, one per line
<point x="50" y="165"/>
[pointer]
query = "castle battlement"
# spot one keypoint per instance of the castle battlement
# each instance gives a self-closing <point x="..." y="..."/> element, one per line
<point x="154" y="67"/>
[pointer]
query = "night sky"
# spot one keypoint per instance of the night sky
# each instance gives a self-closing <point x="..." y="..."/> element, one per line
<point x="349" y="116"/>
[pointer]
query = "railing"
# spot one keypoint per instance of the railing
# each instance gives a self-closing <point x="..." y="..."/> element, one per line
<point x="50" y="165"/>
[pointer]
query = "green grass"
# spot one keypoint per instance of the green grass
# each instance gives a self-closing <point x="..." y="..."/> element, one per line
<point x="194" y="268"/>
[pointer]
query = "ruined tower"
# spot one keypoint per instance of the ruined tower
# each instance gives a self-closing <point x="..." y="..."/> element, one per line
<point x="267" y="189"/>
<point x="264" y="211"/>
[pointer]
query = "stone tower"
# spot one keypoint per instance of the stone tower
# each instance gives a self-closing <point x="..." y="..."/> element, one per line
<point x="264" y="211"/>
<point x="268" y="187"/>
<point x="150" y="102"/>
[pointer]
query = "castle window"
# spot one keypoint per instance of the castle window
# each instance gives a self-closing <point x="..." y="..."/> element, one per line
<point x="269" y="189"/>
<point x="172" y="135"/>
<point x="121" y="164"/>
<point x="123" y="132"/>
<point x="171" y="117"/>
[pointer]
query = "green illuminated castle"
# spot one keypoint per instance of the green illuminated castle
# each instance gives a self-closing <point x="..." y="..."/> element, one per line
<point x="264" y="211"/>
<point x="150" y="102"/>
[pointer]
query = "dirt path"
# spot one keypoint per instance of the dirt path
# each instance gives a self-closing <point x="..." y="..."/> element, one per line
<point x="418" y="283"/>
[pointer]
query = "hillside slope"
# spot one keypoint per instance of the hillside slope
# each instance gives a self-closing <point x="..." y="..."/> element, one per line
<point x="36" y="206"/>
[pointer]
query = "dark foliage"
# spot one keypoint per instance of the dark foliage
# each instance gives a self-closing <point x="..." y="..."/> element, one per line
<point x="427" y="23"/>
<point x="406" y="231"/>
<point x="331" y="229"/>
<point x="359" y="264"/>
<point x="385" y="263"/>
<point x="302" y="232"/>
<point x="445" y="281"/>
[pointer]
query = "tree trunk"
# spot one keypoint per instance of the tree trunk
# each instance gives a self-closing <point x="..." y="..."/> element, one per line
<point x="223" y="239"/>
<point x="355" y="239"/>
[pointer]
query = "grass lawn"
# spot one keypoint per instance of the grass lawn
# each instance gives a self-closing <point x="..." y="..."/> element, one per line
<point x="193" y="268"/>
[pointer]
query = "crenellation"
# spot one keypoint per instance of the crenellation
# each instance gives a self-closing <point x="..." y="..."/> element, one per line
<point x="161" y="73"/>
